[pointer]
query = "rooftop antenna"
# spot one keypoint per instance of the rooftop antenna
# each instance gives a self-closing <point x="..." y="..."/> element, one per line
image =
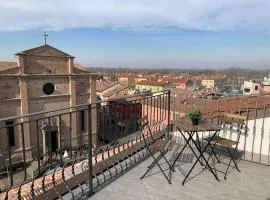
<point x="45" y="37"/>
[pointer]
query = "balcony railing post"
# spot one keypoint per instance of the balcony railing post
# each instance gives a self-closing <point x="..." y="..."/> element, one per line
<point x="90" y="175"/>
<point x="38" y="146"/>
<point x="9" y="163"/>
<point x="169" y="112"/>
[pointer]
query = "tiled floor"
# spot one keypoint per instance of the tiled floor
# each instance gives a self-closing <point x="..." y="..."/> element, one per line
<point x="252" y="183"/>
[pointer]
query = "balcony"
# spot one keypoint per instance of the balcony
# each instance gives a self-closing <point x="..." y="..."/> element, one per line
<point x="251" y="183"/>
<point x="52" y="151"/>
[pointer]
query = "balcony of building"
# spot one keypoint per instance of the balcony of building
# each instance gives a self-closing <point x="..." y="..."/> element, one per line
<point x="97" y="149"/>
<point x="251" y="183"/>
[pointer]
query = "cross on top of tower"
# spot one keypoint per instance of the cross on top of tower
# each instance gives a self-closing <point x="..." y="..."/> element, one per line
<point x="45" y="35"/>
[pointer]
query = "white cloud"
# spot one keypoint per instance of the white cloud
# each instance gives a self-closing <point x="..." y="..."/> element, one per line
<point x="214" y="15"/>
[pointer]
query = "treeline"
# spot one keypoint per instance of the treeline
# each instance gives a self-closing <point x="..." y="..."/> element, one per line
<point x="229" y="72"/>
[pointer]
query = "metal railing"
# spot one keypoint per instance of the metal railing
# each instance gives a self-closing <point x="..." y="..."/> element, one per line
<point x="47" y="154"/>
<point x="74" y="151"/>
<point x="255" y="142"/>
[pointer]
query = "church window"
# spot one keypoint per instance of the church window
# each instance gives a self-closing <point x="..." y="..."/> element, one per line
<point x="48" y="88"/>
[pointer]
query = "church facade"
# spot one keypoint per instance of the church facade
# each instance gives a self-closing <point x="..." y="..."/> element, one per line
<point x="43" y="79"/>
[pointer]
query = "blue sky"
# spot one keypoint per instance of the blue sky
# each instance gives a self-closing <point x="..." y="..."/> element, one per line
<point x="142" y="33"/>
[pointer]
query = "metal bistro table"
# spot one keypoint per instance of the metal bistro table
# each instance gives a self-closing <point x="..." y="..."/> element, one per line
<point x="185" y="126"/>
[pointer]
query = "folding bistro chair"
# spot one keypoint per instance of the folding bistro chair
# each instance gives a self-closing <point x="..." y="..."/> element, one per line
<point x="223" y="143"/>
<point x="155" y="143"/>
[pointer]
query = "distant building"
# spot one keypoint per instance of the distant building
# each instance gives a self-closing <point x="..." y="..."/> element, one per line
<point x="141" y="79"/>
<point x="110" y="89"/>
<point x="266" y="87"/>
<point x="129" y="79"/>
<point x="267" y="79"/>
<point x="266" y="84"/>
<point x="184" y="83"/>
<point x="252" y="88"/>
<point x="211" y="83"/>
<point x="153" y="86"/>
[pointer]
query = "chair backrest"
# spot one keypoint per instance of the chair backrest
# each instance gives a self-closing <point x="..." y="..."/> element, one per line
<point x="234" y="119"/>
<point x="144" y="123"/>
<point x="148" y="132"/>
<point x="145" y="128"/>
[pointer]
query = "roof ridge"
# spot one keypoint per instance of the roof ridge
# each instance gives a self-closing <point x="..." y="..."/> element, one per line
<point x="34" y="51"/>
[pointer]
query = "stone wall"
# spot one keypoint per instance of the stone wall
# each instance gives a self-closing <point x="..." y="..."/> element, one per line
<point x="9" y="87"/>
<point x="10" y="108"/>
<point x="83" y="85"/>
<point x="36" y="83"/>
<point x="46" y="65"/>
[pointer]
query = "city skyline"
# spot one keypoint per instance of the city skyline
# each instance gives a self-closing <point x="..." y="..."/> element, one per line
<point x="176" y="34"/>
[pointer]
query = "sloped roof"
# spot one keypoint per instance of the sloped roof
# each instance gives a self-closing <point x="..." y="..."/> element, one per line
<point x="125" y="98"/>
<point x="7" y="65"/>
<point x="80" y="67"/>
<point x="151" y="83"/>
<point x="115" y="92"/>
<point x="182" y="91"/>
<point x="182" y="80"/>
<point x="45" y="50"/>
<point x="103" y="85"/>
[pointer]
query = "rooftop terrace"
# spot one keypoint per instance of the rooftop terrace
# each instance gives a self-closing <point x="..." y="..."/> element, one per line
<point x="118" y="158"/>
<point x="252" y="183"/>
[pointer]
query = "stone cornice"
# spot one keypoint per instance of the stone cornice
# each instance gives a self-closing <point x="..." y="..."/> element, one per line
<point x="11" y="99"/>
<point x="49" y="96"/>
<point x="24" y="54"/>
<point x="29" y="76"/>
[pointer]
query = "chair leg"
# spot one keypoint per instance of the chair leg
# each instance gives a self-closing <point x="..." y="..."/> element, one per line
<point x="168" y="162"/>
<point x="213" y="152"/>
<point x="156" y="149"/>
<point x="213" y="160"/>
<point x="151" y="165"/>
<point x="147" y="171"/>
<point x="231" y="160"/>
<point x="236" y="165"/>
<point x="178" y="167"/>
<point x="161" y="155"/>
<point x="168" y="179"/>
<point x="218" y="159"/>
<point x="156" y="162"/>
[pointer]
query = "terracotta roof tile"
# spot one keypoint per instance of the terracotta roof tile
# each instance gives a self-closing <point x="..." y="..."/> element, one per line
<point x="116" y="90"/>
<point x="103" y="85"/>
<point x="152" y="83"/>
